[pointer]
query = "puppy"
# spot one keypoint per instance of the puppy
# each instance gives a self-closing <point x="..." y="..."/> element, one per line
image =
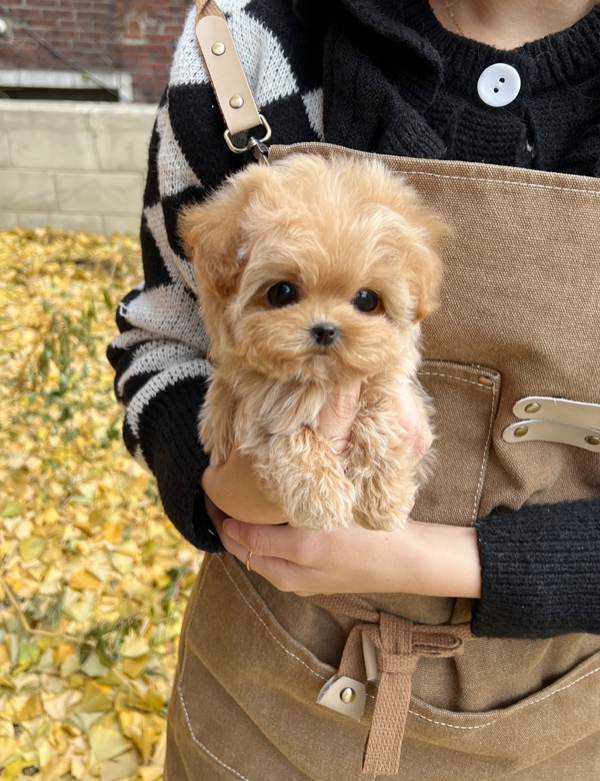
<point x="314" y="274"/>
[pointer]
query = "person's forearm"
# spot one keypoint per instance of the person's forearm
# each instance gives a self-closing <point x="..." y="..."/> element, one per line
<point x="444" y="560"/>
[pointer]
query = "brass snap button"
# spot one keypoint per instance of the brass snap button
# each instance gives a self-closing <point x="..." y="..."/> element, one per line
<point x="595" y="441"/>
<point x="521" y="431"/>
<point x="218" y="49"/>
<point x="237" y="101"/>
<point x="531" y="408"/>
<point x="347" y="695"/>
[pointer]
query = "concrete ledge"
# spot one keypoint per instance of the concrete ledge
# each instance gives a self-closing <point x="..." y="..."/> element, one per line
<point x="73" y="165"/>
<point x="120" y="82"/>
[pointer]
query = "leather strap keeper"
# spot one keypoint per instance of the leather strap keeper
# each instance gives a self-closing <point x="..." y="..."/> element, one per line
<point x="225" y="69"/>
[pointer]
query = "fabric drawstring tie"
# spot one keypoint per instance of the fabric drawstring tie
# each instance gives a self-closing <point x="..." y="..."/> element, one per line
<point x="399" y="644"/>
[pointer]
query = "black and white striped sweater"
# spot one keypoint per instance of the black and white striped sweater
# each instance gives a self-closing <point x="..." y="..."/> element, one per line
<point x="383" y="77"/>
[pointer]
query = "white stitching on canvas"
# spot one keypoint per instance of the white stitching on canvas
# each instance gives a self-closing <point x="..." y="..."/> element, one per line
<point x="485" y="457"/>
<point x="279" y="643"/>
<point x="181" y="698"/>
<point x="562" y="689"/>
<point x="452" y="726"/>
<point x="522" y="706"/>
<point x="206" y="751"/>
<point x="518" y="707"/>
<point x="490" y="429"/>
<point x="454" y="377"/>
<point x="502" y="181"/>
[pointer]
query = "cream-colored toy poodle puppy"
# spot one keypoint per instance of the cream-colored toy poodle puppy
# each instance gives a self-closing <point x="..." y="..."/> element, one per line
<point x="315" y="274"/>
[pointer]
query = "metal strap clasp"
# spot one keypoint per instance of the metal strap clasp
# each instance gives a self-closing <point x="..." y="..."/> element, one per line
<point x="229" y="83"/>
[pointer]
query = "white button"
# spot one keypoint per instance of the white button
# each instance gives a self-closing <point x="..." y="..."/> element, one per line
<point x="499" y="84"/>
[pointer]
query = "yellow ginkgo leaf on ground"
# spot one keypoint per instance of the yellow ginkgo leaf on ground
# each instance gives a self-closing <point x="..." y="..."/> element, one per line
<point x="79" y="611"/>
<point x="124" y="766"/>
<point x="58" y="707"/>
<point x="55" y="769"/>
<point x="134" y="647"/>
<point x="95" y="699"/>
<point x="69" y="665"/>
<point x="50" y="516"/>
<point x="12" y="510"/>
<point x="32" y="708"/>
<point x="123" y="564"/>
<point x="28" y="655"/>
<point x="13" y="767"/>
<point x="93" y="667"/>
<point x="150" y="773"/>
<point x="134" y="668"/>
<point x="107" y="743"/>
<point x="112" y="532"/>
<point x="32" y="548"/>
<point x="84" y="579"/>
<point x="83" y="721"/>
<point x="86" y="551"/>
<point x="8" y="746"/>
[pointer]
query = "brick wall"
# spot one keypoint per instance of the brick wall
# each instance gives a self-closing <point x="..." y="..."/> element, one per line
<point x="138" y="37"/>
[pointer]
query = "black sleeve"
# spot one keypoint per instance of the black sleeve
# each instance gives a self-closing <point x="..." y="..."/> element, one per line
<point x="540" y="571"/>
<point x="160" y="356"/>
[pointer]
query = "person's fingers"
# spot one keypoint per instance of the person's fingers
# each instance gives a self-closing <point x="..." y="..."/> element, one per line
<point x="425" y="440"/>
<point x="280" y="542"/>
<point x="213" y="511"/>
<point x="412" y="418"/>
<point x="246" y="539"/>
<point x="337" y="416"/>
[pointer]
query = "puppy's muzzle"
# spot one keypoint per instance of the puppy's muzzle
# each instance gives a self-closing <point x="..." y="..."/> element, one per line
<point x="324" y="334"/>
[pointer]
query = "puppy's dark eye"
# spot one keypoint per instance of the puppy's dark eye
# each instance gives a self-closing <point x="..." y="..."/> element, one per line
<point x="366" y="300"/>
<point x="281" y="294"/>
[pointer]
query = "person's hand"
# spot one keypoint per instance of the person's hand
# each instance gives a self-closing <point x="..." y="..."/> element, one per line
<point x="422" y="558"/>
<point x="234" y="488"/>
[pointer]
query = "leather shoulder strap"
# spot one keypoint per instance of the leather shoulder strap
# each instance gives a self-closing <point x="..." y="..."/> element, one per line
<point x="225" y="70"/>
<point x="207" y="8"/>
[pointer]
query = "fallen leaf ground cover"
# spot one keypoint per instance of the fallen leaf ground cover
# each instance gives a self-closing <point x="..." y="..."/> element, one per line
<point x="93" y="579"/>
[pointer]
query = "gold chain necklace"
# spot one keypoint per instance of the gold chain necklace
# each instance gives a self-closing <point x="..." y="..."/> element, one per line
<point x="449" y="9"/>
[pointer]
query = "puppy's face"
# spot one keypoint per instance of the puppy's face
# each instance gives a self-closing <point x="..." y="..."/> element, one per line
<point x="315" y="270"/>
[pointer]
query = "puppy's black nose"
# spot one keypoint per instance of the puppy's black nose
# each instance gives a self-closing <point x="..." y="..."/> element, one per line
<point x="324" y="334"/>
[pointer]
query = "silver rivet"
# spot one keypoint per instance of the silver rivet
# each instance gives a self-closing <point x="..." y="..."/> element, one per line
<point x="237" y="101"/>
<point x="521" y="431"/>
<point x="347" y="695"/>
<point x="531" y="408"/>
<point x="218" y="49"/>
<point x="485" y="381"/>
<point x="595" y="441"/>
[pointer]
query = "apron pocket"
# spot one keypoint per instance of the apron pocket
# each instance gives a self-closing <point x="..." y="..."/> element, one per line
<point x="248" y="690"/>
<point x="506" y="740"/>
<point x="465" y="400"/>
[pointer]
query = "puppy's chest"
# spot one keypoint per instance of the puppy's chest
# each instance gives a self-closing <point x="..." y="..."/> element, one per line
<point x="265" y="406"/>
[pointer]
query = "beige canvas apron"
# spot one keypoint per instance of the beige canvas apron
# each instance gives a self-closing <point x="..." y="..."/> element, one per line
<point x="517" y="325"/>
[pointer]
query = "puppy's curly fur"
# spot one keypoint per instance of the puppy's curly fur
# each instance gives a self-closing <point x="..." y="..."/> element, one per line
<point x="314" y="274"/>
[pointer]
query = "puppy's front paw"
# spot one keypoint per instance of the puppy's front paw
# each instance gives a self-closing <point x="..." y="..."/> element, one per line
<point x="381" y="467"/>
<point x="384" y="501"/>
<point x="309" y="481"/>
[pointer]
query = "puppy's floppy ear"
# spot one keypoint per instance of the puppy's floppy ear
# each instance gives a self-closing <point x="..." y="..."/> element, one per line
<point x="211" y="231"/>
<point x="426" y="266"/>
